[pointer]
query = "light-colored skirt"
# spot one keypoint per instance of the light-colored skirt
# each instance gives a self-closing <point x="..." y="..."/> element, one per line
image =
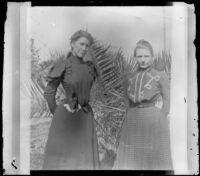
<point x="145" y="141"/>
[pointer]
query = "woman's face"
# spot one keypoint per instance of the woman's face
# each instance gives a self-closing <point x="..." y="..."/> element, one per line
<point x="143" y="57"/>
<point x="80" y="47"/>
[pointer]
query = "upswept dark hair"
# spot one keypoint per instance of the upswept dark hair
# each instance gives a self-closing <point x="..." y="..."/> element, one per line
<point x="81" y="33"/>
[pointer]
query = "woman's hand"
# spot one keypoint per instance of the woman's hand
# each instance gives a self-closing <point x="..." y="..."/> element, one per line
<point x="72" y="110"/>
<point x="68" y="108"/>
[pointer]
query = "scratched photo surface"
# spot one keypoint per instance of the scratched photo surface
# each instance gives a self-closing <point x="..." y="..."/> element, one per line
<point x="36" y="36"/>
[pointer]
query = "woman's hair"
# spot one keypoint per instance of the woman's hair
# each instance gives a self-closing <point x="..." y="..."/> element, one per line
<point x="143" y="44"/>
<point x="80" y="33"/>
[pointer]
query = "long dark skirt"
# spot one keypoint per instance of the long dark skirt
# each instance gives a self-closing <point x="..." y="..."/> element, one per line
<point x="145" y="141"/>
<point x="72" y="141"/>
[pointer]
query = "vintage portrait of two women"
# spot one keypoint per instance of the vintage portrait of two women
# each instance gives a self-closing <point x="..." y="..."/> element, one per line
<point x="100" y="88"/>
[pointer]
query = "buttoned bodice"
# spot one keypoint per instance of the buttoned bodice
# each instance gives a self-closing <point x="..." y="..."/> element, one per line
<point x="147" y="85"/>
<point x="76" y="77"/>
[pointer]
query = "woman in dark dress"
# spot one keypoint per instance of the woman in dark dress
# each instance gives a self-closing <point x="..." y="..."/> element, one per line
<point x="145" y="138"/>
<point x="72" y="142"/>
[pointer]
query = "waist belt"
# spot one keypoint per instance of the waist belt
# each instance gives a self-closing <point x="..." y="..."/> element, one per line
<point x="86" y="108"/>
<point x="142" y="105"/>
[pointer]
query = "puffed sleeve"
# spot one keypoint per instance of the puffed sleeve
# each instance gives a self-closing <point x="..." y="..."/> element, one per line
<point x="92" y="70"/>
<point x="54" y="78"/>
<point x="56" y="71"/>
<point x="96" y="74"/>
<point x="165" y="92"/>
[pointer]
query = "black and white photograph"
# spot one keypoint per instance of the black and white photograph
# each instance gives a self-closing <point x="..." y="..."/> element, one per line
<point x="100" y="88"/>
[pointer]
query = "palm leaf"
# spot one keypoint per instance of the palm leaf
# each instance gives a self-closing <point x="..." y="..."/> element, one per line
<point x="108" y="98"/>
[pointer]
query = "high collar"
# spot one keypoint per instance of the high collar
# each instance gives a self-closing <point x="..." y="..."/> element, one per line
<point x="139" y="69"/>
<point x="76" y="59"/>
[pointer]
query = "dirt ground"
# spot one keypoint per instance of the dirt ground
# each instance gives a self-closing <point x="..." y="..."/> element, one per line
<point x="39" y="134"/>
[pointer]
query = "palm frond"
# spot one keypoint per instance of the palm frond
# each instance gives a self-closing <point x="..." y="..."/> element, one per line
<point x="108" y="96"/>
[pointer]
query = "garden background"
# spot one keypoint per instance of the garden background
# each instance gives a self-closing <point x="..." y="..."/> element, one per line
<point x="116" y="30"/>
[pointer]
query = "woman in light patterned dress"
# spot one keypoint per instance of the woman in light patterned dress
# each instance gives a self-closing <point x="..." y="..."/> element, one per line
<point x="145" y="137"/>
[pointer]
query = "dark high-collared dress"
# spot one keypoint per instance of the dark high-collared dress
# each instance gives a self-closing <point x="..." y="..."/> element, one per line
<point x="72" y="142"/>
<point x="145" y="138"/>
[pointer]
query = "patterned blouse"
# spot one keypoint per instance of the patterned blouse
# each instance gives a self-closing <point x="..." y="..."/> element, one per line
<point x="76" y="77"/>
<point x="147" y="85"/>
